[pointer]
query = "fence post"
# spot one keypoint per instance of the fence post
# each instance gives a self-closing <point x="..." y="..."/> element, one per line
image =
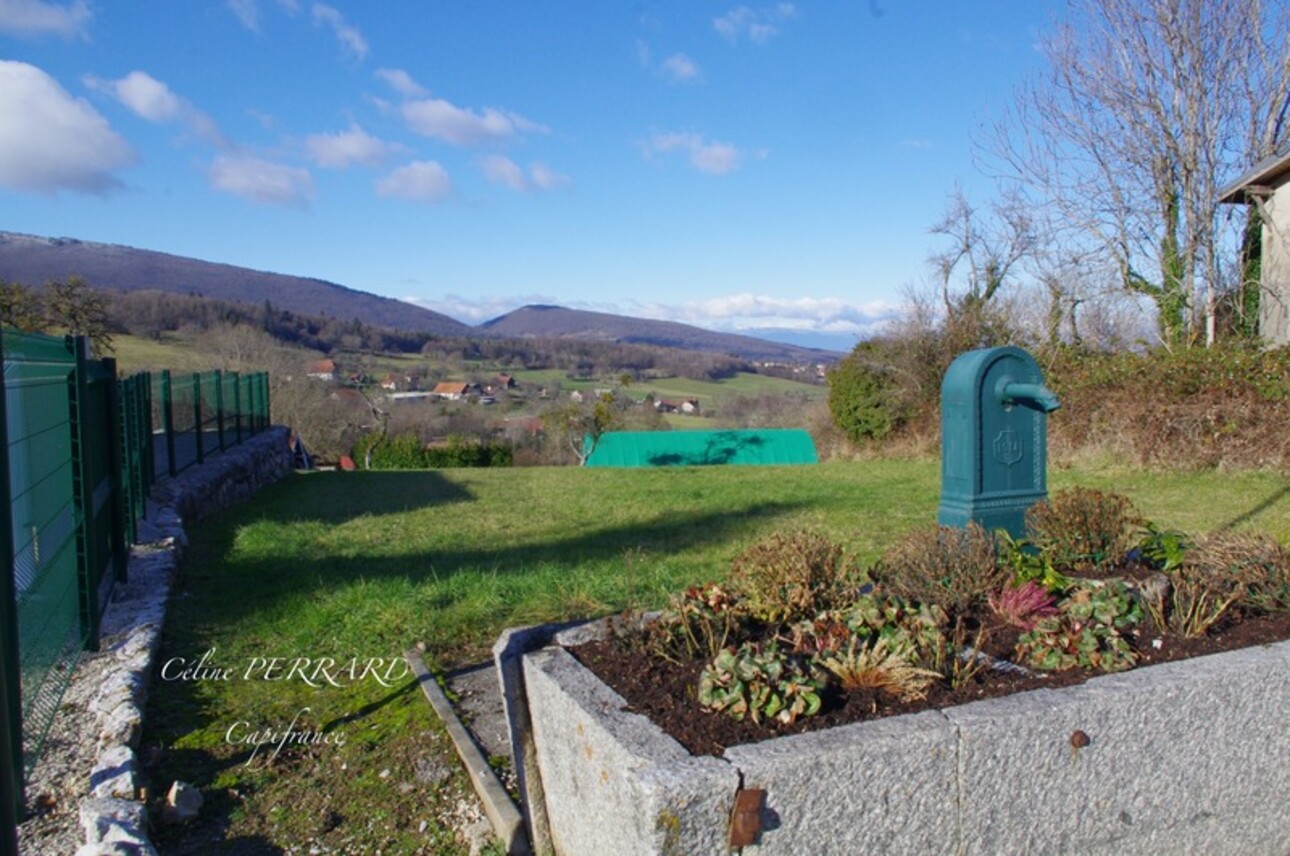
<point x="219" y="406"/>
<point x="237" y="407"/>
<point x="11" y="763"/>
<point x="264" y="398"/>
<point x="197" y="412"/>
<point x="145" y="423"/>
<point x="82" y="492"/>
<point x="118" y="470"/>
<point x="168" y="419"/>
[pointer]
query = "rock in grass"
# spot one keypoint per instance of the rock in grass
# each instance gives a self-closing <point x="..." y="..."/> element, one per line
<point x="183" y="803"/>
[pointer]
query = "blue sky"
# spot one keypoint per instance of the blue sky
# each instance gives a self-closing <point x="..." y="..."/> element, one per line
<point x="728" y="165"/>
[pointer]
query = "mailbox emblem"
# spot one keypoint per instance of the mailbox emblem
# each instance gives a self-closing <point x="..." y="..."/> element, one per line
<point x="1007" y="447"/>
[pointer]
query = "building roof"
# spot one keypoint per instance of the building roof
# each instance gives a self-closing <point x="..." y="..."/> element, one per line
<point x="703" y="448"/>
<point x="322" y="367"/>
<point x="449" y="388"/>
<point x="1269" y="172"/>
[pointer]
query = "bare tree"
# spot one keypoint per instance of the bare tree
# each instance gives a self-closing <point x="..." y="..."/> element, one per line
<point x="1145" y="107"/>
<point x="983" y="250"/>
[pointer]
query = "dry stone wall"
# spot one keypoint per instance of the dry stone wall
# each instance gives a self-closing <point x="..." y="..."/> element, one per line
<point x="112" y="817"/>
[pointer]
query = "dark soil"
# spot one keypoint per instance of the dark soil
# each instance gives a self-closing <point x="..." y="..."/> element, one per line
<point x="665" y="692"/>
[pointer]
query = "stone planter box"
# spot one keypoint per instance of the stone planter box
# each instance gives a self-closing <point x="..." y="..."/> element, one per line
<point x="1184" y="757"/>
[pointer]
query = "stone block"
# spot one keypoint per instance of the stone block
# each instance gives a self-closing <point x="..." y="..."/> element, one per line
<point x="613" y="781"/>
<point x="887" y="786"/>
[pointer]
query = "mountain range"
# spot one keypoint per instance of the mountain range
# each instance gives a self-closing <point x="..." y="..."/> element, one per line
<point x="33" y="260"/>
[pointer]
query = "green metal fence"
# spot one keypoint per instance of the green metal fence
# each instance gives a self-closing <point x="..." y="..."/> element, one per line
<point x="83" y="449"/>
<point x="199" y="414"/>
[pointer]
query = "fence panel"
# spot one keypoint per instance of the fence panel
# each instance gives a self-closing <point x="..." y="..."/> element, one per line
<point x="82" y="450"/>
<point x="38" y="374"/>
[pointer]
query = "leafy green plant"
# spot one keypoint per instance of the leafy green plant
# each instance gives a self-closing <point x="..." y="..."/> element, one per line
<point x="880" y="665"/>
<point x="921" y="626"/>
<point x="955" y="568"/>
<point x="1028" y="564"/>
<point x="1086" y="632"/>
<point x="1081" y="529"/>
<point x="761" y="683"/>
<point x="1024" y="605"/>
<point x="1163" y="549"/>
<point x="698" y="622"/>
<point x="793" y="575"/>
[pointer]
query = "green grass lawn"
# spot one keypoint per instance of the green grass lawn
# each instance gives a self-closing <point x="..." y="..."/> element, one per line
<point x="364" y="565"/>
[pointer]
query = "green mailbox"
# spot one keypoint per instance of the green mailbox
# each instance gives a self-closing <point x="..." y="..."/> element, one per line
<point x="994" y="439"/>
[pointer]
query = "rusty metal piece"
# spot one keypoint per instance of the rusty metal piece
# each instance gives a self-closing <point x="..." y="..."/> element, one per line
<point x="745" y="821"/>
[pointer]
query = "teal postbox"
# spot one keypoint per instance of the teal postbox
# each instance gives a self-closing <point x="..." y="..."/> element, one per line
<point x="994" y="439"/>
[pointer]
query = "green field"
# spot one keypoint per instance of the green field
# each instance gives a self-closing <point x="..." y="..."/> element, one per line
<point x="170" y="351"/>
<point x="344" y="565"/>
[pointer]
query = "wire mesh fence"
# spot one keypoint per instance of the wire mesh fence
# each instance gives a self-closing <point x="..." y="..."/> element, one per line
<point x="83" y="449"/>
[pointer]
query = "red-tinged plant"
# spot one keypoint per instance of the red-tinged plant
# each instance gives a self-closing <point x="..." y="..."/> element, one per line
<point x="1023" y="606"/>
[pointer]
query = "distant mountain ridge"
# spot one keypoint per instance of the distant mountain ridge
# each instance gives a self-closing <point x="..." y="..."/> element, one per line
<point x="33" y="260"/>
<point x="557" y="322"/>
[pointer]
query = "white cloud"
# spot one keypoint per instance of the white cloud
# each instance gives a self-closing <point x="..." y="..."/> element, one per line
<point x="401" y="82"/>
<point x="353" y="146"/>
<point x="247" y="12"/>
<point x="502" y="170"/>
<point x="712" y="157"/>
<point x="50" y="141"/>
<point x="262" y="181"/>
<point x="150" y="99"/>
<point x="36" y="18"/>
<point x="545" y="178"/>
<point x="350" y="38"/>
<point x="476" y="310"/>
<point x="679" y="68"/>
<point x="460" y="126"/>
<point x="749" y="311"/>
<point x="756" y="25"/>
<point x="420" y="181"/>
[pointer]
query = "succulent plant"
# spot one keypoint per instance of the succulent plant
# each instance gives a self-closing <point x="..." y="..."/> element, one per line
<point x="764" y="684"/>
<point x="1086" y="632"/>
<point x="880" y="665"/>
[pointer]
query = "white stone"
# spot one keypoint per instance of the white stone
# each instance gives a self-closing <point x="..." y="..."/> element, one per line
<point x="115" y="774"/>
<point x="183" y="803"/>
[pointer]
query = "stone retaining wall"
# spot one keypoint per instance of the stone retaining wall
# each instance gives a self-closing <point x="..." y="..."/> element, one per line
<point x="114" y="820"/>
<point x="1183" y="757"/>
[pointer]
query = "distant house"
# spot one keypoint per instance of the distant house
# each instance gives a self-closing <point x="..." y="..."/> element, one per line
<point x="451" y="391"/>
<point x="390" y="382"/>
<point x="1267" y="188"/>
<point x="576" y="396"/>
<point x="690" y="405"/>
<point x="505" y="381"/>
<point x="322" y="370"/>
<point x="662" y="405"/>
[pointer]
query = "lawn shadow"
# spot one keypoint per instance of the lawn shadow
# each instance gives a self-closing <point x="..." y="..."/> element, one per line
<point x="672" y="531"/>
<point x="1258" y="509"/>
<point x="366" y="493"/>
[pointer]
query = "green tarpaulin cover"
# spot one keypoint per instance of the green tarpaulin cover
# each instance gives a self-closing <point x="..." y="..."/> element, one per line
<point x="703" y="448"/>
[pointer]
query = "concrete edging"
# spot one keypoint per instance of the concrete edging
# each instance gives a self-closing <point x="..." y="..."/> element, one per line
<point x="1184" y="757"/>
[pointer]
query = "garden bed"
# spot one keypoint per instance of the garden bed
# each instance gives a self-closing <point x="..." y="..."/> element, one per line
<point x="1075" y="691"/>
<point x="665" y="692"/>
<point x="1188" y="756"/>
